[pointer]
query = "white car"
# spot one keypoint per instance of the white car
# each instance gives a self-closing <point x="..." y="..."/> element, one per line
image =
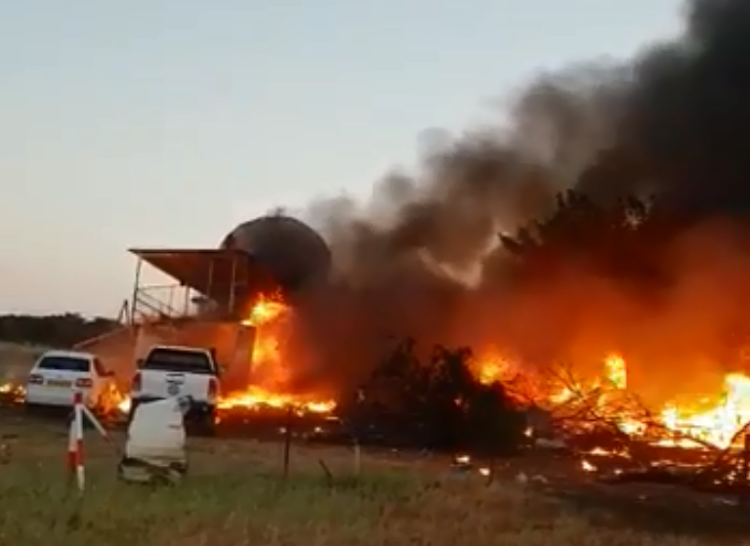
<point x="58" y="374"/>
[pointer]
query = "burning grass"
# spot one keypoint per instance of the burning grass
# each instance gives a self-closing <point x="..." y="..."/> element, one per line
<point x="235" y="495"/>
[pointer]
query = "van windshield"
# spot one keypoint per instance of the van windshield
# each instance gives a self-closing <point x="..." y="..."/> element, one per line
<point x="177" y="360"/>
<point x="64" y="364"/>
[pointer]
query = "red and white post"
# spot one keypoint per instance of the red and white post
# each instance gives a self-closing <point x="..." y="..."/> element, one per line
<point x="75" y="441"/>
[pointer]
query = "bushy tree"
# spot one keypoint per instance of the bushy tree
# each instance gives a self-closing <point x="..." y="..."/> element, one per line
<point x="621" y="238"/>
<point x="440" y="393"/>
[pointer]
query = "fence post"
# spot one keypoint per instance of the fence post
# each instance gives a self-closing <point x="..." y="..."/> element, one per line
<point x="288" y="439"/>
<point x="75" y="442"/>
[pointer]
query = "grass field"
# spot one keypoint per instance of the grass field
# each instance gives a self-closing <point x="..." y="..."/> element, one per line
<point x="234" y="495"/>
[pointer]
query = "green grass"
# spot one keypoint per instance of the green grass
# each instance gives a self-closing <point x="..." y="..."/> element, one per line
<point x="235" y="495"/>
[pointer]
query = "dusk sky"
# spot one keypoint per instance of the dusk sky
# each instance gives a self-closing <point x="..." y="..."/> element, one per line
<point x="166" y="122"/>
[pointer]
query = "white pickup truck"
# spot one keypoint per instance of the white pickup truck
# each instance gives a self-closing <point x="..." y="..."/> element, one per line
<point x="171" y="371"/>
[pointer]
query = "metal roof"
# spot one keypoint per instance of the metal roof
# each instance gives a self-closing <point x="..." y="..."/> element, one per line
<point x="214" y="273"/>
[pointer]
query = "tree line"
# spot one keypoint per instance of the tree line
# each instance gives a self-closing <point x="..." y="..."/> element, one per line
<point x="622" y="238"/>
<point x="61" y="330"/>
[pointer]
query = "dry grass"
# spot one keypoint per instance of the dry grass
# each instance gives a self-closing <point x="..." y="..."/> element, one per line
<point x="16" y="361"/>
<point x="234" y="495"/>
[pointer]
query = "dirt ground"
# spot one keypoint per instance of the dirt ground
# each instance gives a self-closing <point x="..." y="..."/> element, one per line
<point x="235" y="494"/>
<point x="657" y="508"/>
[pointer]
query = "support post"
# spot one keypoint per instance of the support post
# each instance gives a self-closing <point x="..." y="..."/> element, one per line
<point x="123" y="316"/>
<point x="233" y="285"/>
<point x="75" y="443"/>
<point x="186" y="302"/>
<point x="170" y="305"/>
<point x="136" y="289"/>
<point x="357" y="467"/>
<point x="210" y="278"/>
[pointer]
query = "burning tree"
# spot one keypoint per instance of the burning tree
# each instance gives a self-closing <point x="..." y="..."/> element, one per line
<point x="615" y="238"/>
<point x="441" y="397"/>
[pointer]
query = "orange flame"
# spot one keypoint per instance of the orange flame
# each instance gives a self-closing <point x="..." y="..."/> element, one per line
<point x="715" y="422"/>
<point x="257" y="398"/>
<point x="265" y="310"/>
<point x="269" y="366"/>
<point x="12" y="391"/>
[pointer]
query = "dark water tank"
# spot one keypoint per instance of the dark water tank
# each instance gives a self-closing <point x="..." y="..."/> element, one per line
<point x="293" y="252"/>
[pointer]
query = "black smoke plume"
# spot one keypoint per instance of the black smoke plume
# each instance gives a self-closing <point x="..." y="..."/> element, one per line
<point x="667" y="133"/>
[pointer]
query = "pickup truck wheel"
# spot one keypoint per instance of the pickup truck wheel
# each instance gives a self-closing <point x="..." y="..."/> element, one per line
<point x="209" y="430"/>
<point x="206" y="425"/>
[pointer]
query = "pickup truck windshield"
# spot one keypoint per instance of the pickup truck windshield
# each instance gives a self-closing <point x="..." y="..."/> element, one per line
<point x="176" y="360"/>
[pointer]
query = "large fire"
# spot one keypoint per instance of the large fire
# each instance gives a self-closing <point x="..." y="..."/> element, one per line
<point x="271" y="371"/>
<point x="709" y="421"/>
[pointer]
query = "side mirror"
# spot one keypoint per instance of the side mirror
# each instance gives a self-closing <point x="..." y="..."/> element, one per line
<point x="139" y="363"/>
<point x="109" y="373"/>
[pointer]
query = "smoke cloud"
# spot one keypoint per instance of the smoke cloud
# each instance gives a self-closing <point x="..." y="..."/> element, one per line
<point x="423" y="260"/>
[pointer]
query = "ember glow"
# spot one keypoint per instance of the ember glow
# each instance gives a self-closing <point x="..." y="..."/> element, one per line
<point x="12" y="391"/>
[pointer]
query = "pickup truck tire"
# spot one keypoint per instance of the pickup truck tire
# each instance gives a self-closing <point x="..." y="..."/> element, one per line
<point x="206" y="425"/>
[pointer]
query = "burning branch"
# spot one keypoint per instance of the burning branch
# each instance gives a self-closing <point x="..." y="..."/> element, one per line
<point x="608" y="412"/>
<point x="607" y="405"/>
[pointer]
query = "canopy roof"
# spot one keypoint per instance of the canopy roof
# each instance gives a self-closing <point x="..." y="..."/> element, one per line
<point x="216" y="274"/>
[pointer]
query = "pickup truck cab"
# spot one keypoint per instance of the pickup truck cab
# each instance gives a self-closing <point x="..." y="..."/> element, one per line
<point x="170" y="371"/>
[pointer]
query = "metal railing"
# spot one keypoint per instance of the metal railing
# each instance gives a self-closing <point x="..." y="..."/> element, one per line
<point x="149" y="306"/>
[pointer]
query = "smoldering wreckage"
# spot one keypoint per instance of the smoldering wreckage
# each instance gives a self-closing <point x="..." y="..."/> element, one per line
<point x="592" y="254"/>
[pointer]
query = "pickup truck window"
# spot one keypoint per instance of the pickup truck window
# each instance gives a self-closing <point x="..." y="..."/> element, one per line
<point x="175" y="360"/>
